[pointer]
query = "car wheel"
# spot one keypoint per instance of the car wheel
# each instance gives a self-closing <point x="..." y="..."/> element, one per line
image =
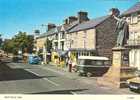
<point x="80" y="74"/>
<point x="89" y="74"/>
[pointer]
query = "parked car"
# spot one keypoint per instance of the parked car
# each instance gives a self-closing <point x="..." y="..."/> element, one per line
<point x="134" y="83"/>
<point x="17" y="58"/>
<point x="92" y="65"/>
<point x="33" y="59"/>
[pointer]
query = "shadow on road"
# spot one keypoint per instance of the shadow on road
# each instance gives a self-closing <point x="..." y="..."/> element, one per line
<point x="8" y="74"/>
<point x="61" y="91"/>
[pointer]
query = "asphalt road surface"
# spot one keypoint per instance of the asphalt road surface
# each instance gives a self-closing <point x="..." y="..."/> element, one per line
<point x="19" y="78"/>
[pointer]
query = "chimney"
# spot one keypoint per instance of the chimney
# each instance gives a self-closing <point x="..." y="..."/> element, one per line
<point x="51" y="26"/>
<point x="66" y="21"/>
<point x="114" y="11"/>
<point x="82" y="16"/>
<point x="72" y="19"/>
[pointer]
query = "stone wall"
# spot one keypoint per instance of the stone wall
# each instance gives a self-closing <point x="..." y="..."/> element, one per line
<point x="106" y="37"/>
<point x="83" y="39"/>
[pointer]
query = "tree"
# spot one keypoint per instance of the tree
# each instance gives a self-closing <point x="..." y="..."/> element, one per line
<point x="0" y="41"/>
<point x="8" y="46"/>
<point x="21" y="41"/>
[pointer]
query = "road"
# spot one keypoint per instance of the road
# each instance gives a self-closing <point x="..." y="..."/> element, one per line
<point x="19" y="78"/>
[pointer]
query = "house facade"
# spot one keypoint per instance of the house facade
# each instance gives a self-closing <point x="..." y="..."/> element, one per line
<point x="93" y="37"/>
<point x="132" y="16"/>
<point x="81" y="36"/>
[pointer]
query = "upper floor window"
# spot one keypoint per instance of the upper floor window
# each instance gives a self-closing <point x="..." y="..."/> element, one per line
<point x="56" y="36"/>
<point x="139" y="17"/>
<point x="128" y="19"/>
<point x="134" y="18"/>
<point x="63" y="35"/>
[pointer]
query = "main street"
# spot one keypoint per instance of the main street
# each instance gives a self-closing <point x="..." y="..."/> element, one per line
<point x="19" y="78"/>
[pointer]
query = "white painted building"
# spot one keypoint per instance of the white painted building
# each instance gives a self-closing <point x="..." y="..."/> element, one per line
<point x="133" y="18"/>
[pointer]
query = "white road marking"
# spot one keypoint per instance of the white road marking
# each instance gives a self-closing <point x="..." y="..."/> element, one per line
<point x="51" y="82"/>
<point x="32" y="72"/>
<point x="54" y="71"/>
<point x="43" y="78"/>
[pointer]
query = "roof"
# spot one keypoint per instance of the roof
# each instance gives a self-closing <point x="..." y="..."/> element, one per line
<point x="133" y="9"/>
<point x="51" y="31"/>
<point x="89" y="24"/>
<point x="59" y="28"/>
<point x="70" y="26"/>
<point x="93" y="57"/>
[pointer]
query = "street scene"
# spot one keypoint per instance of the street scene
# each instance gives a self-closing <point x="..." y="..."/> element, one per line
<point x="74" y="53"/>
<point x="19" y="78"/>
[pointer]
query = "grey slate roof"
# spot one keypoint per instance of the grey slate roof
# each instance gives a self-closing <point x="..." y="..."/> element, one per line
<point x="50" y="32"/>
<point x="89" y="24"/>
<point x="69" y="26"/>
<point x="133" y="9"/>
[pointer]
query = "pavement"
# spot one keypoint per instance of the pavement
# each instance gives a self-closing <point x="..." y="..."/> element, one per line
<point x="19" y="78"/>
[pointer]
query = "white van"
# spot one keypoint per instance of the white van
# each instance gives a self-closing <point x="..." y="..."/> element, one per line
<point x="92" y="65"/>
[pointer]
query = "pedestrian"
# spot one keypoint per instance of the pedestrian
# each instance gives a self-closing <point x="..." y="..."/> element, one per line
<point x="70" y="65"/>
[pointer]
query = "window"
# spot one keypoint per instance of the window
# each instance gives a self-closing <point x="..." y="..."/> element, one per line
<point x="56" y="36"/>
<point x="56" y="45"/>
<point x="62" y="45"/>
<point x="139" y="17"/>
<point x="63" y="35"/>
<point x="134" y="18"/>
<point x="128" y="19"/>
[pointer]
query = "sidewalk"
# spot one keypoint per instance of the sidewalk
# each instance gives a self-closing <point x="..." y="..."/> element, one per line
<point x="86" y="80"/>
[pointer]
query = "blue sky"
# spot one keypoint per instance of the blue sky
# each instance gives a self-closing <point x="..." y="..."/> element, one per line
<point x="28" y="15"/>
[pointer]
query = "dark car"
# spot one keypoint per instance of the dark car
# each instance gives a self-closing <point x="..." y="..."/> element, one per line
<point x="134" y="83"/>
<point x="17" y="58"/>
<point x="92" y="65"/>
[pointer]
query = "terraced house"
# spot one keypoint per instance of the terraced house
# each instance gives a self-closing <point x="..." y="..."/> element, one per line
<point x="132" y="16"/>
<point x="82" y="36"/>
<point x="93" y="37"/>
<point x="58" y="36"/>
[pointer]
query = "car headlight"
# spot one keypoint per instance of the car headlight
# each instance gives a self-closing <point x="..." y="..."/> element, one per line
<point x="127" y="82"/>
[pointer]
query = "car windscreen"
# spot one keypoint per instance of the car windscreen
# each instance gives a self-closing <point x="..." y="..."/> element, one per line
<point x="92" y="62"/>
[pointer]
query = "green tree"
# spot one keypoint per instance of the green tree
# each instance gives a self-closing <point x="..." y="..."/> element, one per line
<point x="0" y="41"/>
<point x="21" y="41"/>
<point x="8" y="46"/>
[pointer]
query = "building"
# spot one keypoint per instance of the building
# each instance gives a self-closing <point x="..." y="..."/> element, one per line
<point x="93" y="37"/>
<point x="81" y="36"/>
<point x="132" y="16"/>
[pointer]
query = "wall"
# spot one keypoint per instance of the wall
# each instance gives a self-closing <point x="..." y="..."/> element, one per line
<point x="134" y="39"/>
<point x="106" y="37"/>
<point x="83" y="39"/>
<point x="40" y="43"/>
<point x="134" y="56"/>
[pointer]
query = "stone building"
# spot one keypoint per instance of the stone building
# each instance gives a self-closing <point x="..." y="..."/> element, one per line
<point x="132" y="16"/>
<point x="93" y="37"/>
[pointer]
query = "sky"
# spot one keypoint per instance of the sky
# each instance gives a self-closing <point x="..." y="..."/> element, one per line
<point x="28" y="15"/>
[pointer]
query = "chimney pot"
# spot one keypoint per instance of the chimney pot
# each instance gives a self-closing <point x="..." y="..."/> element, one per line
<point x="82" y="16"/>
<point x="51" y="26"/>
